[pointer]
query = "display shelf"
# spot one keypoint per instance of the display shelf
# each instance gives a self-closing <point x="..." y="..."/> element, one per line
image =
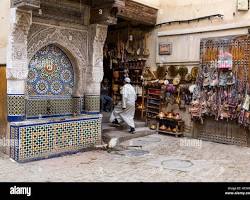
<point x="149" y="98"/>
<point x="152" y="117"/>
<point x="154" y="104"/>
<point x="154" y="94"/>
<point x="149" y="111"/>
<point x="178" y="124"/>
<point x="170" y="119"/>
<point x="152" y="107"/>
<point x="157" y="104"/>
<point x="158" y="89"/>
<point x="172" y="133"/>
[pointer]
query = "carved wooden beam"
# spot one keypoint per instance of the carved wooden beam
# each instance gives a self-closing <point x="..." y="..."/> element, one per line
<point x="107" y="3"/>
<point x="102" y="16"/>
<point x="104" y="11"/>
<point x="25" y="4"/>
<point x="134" y="11"/>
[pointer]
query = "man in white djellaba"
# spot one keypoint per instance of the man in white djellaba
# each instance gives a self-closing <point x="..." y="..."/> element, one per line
<point x="124" y="111"/>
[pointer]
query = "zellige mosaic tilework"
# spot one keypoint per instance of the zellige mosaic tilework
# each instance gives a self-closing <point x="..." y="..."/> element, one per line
<point x="92" y="103"/>
<point x="50" y="73"/>
<point x="37" y="141"/>
<point x="47" y="107"/>
<point x="16" y="107"/>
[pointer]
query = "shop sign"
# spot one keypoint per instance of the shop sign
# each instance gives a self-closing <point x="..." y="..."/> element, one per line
<point x="243" y="4"/>
<point x="165" y="48"/>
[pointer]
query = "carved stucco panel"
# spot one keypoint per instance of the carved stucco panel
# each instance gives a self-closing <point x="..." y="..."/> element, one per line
<point x="74" y="41"/>
<point x="16" y="73"/>
<point x="97" y="35"/>
<point x="17" y="65"/>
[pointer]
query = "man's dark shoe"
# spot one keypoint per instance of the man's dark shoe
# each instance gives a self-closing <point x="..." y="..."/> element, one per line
<point x="132" y="130"/>
<point x="116" y="123"/>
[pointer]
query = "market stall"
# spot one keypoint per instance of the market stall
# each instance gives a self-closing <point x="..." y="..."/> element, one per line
<point x="125" y="55"/>
<point x="220" y="105"/>
<point x="168" y="98"/>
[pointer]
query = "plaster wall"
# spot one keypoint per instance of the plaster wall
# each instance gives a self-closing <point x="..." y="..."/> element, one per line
<point x="5" y="28"/>
<point x="185" y="37"/>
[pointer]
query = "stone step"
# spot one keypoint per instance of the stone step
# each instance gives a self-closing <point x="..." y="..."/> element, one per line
<point x="107" y="127"/>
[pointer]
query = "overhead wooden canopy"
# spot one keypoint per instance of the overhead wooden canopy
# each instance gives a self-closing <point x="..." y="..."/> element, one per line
<point x="26" y="4"/>
<point x="103" y="11"/>
<point x="126" y="9"/>
<point x="133" y="11"/>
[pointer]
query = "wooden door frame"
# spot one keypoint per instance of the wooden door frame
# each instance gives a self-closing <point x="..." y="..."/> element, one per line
<point x="3" y="102"/>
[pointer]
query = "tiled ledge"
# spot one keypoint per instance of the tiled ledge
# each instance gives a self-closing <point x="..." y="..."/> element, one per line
<point x="50" y="137"/>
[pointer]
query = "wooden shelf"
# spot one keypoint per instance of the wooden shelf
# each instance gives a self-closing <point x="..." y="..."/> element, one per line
<point x="154" y="94"/>
<point x="153" y="89"/>
<point x="135" y="68"/>
<point x="154" y="98"/>
<point x="172" y="133"/>
<point x="153" y="112"/>
<point x="151" y="117"/>
<point x="171" y="119"/>
<point x="153" y="107"/>
<point x="158" y="104"/>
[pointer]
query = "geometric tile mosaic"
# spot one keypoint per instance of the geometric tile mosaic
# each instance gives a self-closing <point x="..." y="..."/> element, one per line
<point x="47" y="107"/>
<point x="37" y="141"/>
<point x="82" y="105"/>
<point x="92" y="103"/>
<point x="77" y="105"/>
<point x="16" y="105"/>
<point x="50" y="73"/>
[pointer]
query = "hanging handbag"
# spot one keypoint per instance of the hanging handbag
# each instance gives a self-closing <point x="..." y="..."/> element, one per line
<point x="223" y="79"/>
<point x="246" y="103"/>
<point x="214" y="79"/>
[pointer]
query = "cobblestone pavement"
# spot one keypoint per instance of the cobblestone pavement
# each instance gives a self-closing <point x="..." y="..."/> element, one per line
<point x="161" y="158"/>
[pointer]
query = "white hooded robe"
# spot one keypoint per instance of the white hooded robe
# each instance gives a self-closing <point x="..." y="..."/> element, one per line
<point x="128" y="103"/>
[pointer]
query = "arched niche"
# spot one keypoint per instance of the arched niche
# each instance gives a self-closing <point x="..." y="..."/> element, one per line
<point x="51" y="82"/>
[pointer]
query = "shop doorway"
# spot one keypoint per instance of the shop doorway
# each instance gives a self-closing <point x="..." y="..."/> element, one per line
<point x="125" y="55"/>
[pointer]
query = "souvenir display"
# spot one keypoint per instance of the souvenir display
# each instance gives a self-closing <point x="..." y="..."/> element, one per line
<point x="188" y="78"/>
<point x="161" y="115"/>
<point x="163" y="127"/>
<point x="153" y="127"/>
<point x="182" y="71"/>
<point x="166" y="82"/>
<point x="219" y="91"/>
<point x="176" y="80"/>
<point x="154" y="104"/>
<point x="116" y="75"/>
<point x="194" y="72"/>
<point x="161" y="72"/>
<point x="171" y="124"/>
<point x="172" y="71"/>
<point x="125" y="55"/>
<point x="115" y="88"/>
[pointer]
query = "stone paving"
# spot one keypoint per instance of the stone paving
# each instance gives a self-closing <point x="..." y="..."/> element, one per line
<point x="153" y="158"/>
